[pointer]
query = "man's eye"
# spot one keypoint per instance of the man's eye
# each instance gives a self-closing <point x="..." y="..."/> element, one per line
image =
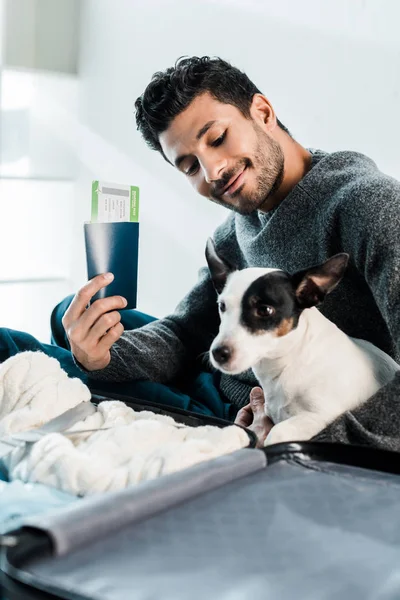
<point x="219" y="140"/>
<point x="192" y="170"/>
<point x="222" y="306"/>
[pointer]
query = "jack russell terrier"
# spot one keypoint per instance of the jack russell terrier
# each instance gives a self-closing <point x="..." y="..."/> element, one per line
<point x="311" y="372"/>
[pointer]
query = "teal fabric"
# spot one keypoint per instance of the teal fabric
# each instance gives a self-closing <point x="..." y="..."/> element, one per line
<point x="200" y="396"/>
<point x="200" y="393"/>
<point x="12" y="342"/>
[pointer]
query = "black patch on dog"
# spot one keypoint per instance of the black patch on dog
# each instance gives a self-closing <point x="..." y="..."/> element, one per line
<point x="271" y="290"/>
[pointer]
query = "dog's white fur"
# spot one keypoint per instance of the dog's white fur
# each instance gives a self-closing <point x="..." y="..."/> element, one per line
<point x="309" y="376"/>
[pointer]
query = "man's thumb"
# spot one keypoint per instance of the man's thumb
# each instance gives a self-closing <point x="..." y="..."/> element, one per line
<point x="257" y="399"/>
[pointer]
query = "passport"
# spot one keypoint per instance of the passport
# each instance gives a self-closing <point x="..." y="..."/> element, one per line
<point x="112" y="239"/>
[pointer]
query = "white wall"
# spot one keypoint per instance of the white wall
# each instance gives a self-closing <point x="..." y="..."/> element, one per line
<point x="41" y="34"/>
<point x="330" y="68"/>
<point x="38" y="163"/>
<point x="35" y="249"/>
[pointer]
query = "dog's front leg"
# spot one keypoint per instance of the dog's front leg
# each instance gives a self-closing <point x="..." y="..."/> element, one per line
<point x="296" y="429"/>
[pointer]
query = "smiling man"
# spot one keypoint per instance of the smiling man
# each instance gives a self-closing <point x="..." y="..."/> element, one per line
<point x="236" y="166"/>
<point x="290" y="207"/>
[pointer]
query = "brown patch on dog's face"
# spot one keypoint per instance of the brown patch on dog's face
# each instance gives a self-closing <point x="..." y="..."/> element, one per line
<point x="269" y="304"/>
<point x="285" y="327"/>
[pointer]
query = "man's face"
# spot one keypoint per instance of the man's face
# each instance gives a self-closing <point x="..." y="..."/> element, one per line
<point x="227" y="157"/>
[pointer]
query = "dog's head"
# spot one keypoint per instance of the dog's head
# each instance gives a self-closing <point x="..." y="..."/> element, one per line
<point x="260" y="307"/>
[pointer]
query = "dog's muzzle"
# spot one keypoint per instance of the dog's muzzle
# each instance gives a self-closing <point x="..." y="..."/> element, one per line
<point x="221" y="354"/>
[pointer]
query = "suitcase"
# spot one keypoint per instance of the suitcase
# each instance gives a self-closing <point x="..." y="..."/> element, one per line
<point x="291" y="521"/>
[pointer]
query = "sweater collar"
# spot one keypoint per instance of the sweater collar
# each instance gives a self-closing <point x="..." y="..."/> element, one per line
<point x="316" y="156"/>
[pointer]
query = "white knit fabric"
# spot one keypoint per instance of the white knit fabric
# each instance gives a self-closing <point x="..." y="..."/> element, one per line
<point x="136" y="446"/>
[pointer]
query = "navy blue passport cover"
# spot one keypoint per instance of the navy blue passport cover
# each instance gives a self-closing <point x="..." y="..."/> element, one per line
<point x="114" y="247"/>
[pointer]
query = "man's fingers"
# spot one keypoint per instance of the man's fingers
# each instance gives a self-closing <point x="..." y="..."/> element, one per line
<point x="253" y="416"/>
<point x="262" y="429"/>
<point x="101" y="315"/>
<point x="110" y="338"/>
<point x="103" y="325"/>
<point x="84" y="295"/>
<point x="253" y="410"/>
<point x="257" y="400"/>
<point x="244" y="418"/>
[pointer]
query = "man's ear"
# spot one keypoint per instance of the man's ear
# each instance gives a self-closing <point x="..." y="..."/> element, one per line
<point x="262" y="112"/>
<point x="219" y="268"/>
<point x="312" y="285"/>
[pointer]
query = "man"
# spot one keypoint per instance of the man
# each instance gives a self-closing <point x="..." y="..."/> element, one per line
<point x="291" y="208"/>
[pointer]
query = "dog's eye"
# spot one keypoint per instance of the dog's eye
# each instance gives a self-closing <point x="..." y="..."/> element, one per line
<point x="222" y="306"/>
<point x="263" y="310"/>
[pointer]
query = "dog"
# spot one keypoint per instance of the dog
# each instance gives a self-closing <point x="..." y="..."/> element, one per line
<point x="310" y="371"/>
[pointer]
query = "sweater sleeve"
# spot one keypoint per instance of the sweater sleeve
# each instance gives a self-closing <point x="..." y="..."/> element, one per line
<point x="160" y="350"/>
<point x="369" y="228"/>
<point x="370" y="232"/>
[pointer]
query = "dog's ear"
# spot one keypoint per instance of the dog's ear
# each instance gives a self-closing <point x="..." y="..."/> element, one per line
<point x="219" y="269"/>
<point x="312" y="285"/>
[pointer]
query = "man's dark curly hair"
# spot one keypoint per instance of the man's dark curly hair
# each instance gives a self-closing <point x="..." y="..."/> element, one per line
<point x="172" y="90"/>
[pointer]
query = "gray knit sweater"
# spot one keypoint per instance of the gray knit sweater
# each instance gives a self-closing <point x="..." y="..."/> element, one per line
<point x="343" y="204"/>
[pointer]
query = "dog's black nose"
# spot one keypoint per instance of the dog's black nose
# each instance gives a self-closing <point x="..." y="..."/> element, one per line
<point x="221" y="354"/>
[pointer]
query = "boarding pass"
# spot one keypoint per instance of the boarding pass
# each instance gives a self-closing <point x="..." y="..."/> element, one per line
<point x="112" y="202"/>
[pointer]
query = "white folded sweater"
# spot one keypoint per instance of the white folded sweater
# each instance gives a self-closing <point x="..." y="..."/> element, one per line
<point x="130" y="446"/>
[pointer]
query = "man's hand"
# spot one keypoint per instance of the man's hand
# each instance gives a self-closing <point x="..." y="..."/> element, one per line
<point x="254" y="418"/>
<point x="92" y="331"/>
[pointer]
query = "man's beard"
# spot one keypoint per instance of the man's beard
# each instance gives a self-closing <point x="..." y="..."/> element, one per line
<point x="268" y="162"/>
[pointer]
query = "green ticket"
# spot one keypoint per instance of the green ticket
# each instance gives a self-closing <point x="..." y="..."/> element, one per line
<point x="113" y="202"/>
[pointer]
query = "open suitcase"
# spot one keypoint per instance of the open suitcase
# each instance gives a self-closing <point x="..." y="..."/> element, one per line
<point x="310" y="520"/>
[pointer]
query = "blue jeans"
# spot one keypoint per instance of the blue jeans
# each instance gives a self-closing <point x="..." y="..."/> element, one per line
<point x="200" y="394"/>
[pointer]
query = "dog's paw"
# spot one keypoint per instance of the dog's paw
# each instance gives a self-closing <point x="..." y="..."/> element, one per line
<point x="295" y="429"/>
<point x="286" y="432"/>
<point x="278" y="435"/>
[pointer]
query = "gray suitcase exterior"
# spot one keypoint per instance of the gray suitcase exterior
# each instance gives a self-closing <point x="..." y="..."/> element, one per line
<point x="293" y="521"/>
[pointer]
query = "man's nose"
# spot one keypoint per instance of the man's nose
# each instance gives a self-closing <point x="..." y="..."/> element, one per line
<point x="213" y="169"/>
<point x="221" y="354"/>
